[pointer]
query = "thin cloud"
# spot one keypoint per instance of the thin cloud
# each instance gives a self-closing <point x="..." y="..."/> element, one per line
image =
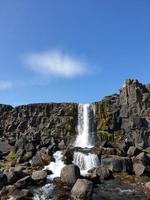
<point x="55" y="63"/>
<point x="5" y="85"/>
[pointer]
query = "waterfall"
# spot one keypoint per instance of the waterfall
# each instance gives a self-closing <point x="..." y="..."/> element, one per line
<point x="83" y="139"/>
<point x="84" y="159"/>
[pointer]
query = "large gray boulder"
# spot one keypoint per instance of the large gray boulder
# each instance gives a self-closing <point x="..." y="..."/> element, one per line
<point x="117" y="163"/>
<point x="100" y="174"/>
<point x="69" y="174"/>
<point x="82" y="190"/>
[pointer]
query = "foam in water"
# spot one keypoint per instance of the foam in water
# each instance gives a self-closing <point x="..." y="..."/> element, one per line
<point x="45" y="192"/>
<point x="85" y="161"/>
<point x="83" y="139"/>
<point x="56" y="166"/>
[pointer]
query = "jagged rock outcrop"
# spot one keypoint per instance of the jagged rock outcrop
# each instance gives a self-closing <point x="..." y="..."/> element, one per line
<point x="126" y="115"/>
<point x="39" y="124"/>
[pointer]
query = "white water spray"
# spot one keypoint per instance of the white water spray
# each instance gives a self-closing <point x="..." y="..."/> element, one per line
<point x="56" y="166"/>
<point x="84" y="160"/>
<point x="83" y="127"/>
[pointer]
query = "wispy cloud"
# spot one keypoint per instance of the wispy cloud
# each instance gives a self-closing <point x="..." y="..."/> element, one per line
<point x="56" y="63"/>
<point x="5" y="85"/>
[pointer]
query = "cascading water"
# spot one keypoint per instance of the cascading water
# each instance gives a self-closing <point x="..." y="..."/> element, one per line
<point x="45" y="192"/>
<point x="83" y="126"/>
<point x="56" y="166"/>
<point x="84" y="159"/>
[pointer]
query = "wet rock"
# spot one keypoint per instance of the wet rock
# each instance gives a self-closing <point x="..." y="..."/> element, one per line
<point x="68" y="156"/>
<point x="69" y="174"/>
<point x="39" y="176"/>
<point x="82" y="190"/>
<point x="100" y="174"/>
<point x="139" y="169"/>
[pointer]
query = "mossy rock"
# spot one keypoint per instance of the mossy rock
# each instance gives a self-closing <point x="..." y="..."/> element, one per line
<point x="105" y="135"/>
<point x="12" y="156"/>
<point x="2" y="165"/>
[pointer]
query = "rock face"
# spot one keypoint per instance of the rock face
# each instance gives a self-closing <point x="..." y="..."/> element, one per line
<point x="38" y="123"/>
<point x="117" y="163"/>
<point x="126" y="115"/>
<point x="69" y="174"/>
<point x="82" y="190"/>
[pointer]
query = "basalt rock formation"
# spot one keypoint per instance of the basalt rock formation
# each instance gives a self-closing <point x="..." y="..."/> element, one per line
<point x="30" y="134"/>
<point x="125" y="115"/>
<point x="117" y="117"/>
<point x="39" y="124"/>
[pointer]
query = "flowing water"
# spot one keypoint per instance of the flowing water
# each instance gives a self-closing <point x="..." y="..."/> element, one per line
<point x="46" y="192"/>
<point x="85" y="139"/>
<point x="56" y="166"/>
<point x="116" y="189"/>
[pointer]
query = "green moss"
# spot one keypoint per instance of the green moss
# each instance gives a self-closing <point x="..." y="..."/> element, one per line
<point x="2" y="165"/>
<point x="104" y="134"/>
<point x="11" y="156"/>
<point x="19" y="152"/>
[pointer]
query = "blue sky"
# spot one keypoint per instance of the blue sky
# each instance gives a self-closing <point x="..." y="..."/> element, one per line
<point x="71" y="50"/>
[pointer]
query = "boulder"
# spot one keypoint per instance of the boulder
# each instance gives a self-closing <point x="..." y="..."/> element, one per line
<point x="61" y="145"/>
<point x="67" y="156"/>
<point x="147" y="187"/>
<point x="82" y="190"/>
<point x="117" y="163"/>
<point x="133" y="151"/>
<point x="69" y="174"/>
<point x="27" y="156"/>
<point x="142" y="158"/>
<point x="24" y="182"/>
<point x="3" y="180"/>
<point x="16" y="194"/>
<point x="100" y="174"/>
<point x="41" y="158"/>
<point x="14" y="174"/>
<point x="5" y="147"/>
<point x="39" y="176"/>
<point x="139" y="169"/>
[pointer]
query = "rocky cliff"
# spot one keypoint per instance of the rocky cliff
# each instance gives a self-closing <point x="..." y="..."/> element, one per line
<point x="125" y="115"/>
<point x="30" y="134"/>
<point x="117" y="117"/>
<point x="38" y="124"/>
